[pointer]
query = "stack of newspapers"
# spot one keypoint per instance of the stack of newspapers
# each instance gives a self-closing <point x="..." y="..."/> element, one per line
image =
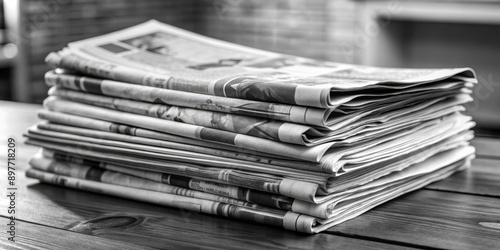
<point x="162" y="115"/>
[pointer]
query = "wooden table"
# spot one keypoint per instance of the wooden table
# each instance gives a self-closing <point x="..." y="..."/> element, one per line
<point x="461" y="212"/>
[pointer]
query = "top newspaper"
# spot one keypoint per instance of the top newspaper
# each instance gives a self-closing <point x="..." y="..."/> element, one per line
<point x="159" y="55"/>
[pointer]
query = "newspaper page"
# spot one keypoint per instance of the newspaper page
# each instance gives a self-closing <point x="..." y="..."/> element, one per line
<point x="340" y="182"/>
<point x="324" y="119"/>
<point x="435" y="165"/>
<point x="334" y="182"/>
<point x="112" y="177"/>
<point x="278" y="218"/>
<point x="99" y="125"/>
<point x="394" y="117"/>
<point x="365" y="175"/>
<point x="162" y="182"/>
<point x="327" y="184"/>
<point x="417" y="139"/>
<point x="323" y="210"/>
<point x="356" y="207"/>
<point x="291" y="187"/>
<point x="369" y="152"/>
<point x="312" y="153"/>
<point x="163" y="152"/>
<point x="193" y="149"/>
<point x="248" y="125"/>
<point x="105" y="130"/>
<point x="160" y="55"/>
<point x="142" y="161"/>
<point x="289" y="220"/>
<point x="276" y="111"/>
<point x="154" y="159"/>
<point x="337" y="161"/>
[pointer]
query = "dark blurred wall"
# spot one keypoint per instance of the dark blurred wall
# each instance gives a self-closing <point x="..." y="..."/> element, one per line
<point x="51" y="24"/>
<point x="321" y="29"/>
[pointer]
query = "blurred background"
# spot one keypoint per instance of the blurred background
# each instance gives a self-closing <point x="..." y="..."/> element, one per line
<point x="395" y="33"/>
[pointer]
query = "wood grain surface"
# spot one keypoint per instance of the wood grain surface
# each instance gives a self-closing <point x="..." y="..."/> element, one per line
<point x="461" y="212"/>
<point x="482" y="179"/>
<point x="432" y="219"/>
<point x="487" y="147"/>
<point x="33" y="236"/>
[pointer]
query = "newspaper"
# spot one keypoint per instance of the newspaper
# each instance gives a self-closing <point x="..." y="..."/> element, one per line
<point x="286" y="219"/>
<point x="187" y="153"/>
<point x="118" y="175"/>
<point x="219" y="157"/>
<point x="279" y="218"/>
<point x="161" y="182"/>
<point x="338" y="161"/>
<point x="325" y="119"/>
<point x="269" y="182"/>
<point x="312" y="153"/>
<point x="398" y="119"/>
<point x="283" y="112"/>
<point x="355" y="207"/>
<point x="248" y="125"/>
<point x="365" y="175"/>
<point x="189" y="187"/>
<point x="143" y="136"/>
<point x="338" y="201"/>
<point x="99" y="125"/>
<point x="159" y="55"/>
<point x="334" y="159"/>
<point x="161" y="152"/>
<point x="322" y="184"/>
<point x="196" y="154"/>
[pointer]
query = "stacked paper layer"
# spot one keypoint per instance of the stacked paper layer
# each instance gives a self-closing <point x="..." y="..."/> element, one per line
<point x="162" y="115"/>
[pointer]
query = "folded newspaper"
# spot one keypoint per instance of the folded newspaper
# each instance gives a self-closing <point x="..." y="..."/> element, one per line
<point x="162" y="115"/>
